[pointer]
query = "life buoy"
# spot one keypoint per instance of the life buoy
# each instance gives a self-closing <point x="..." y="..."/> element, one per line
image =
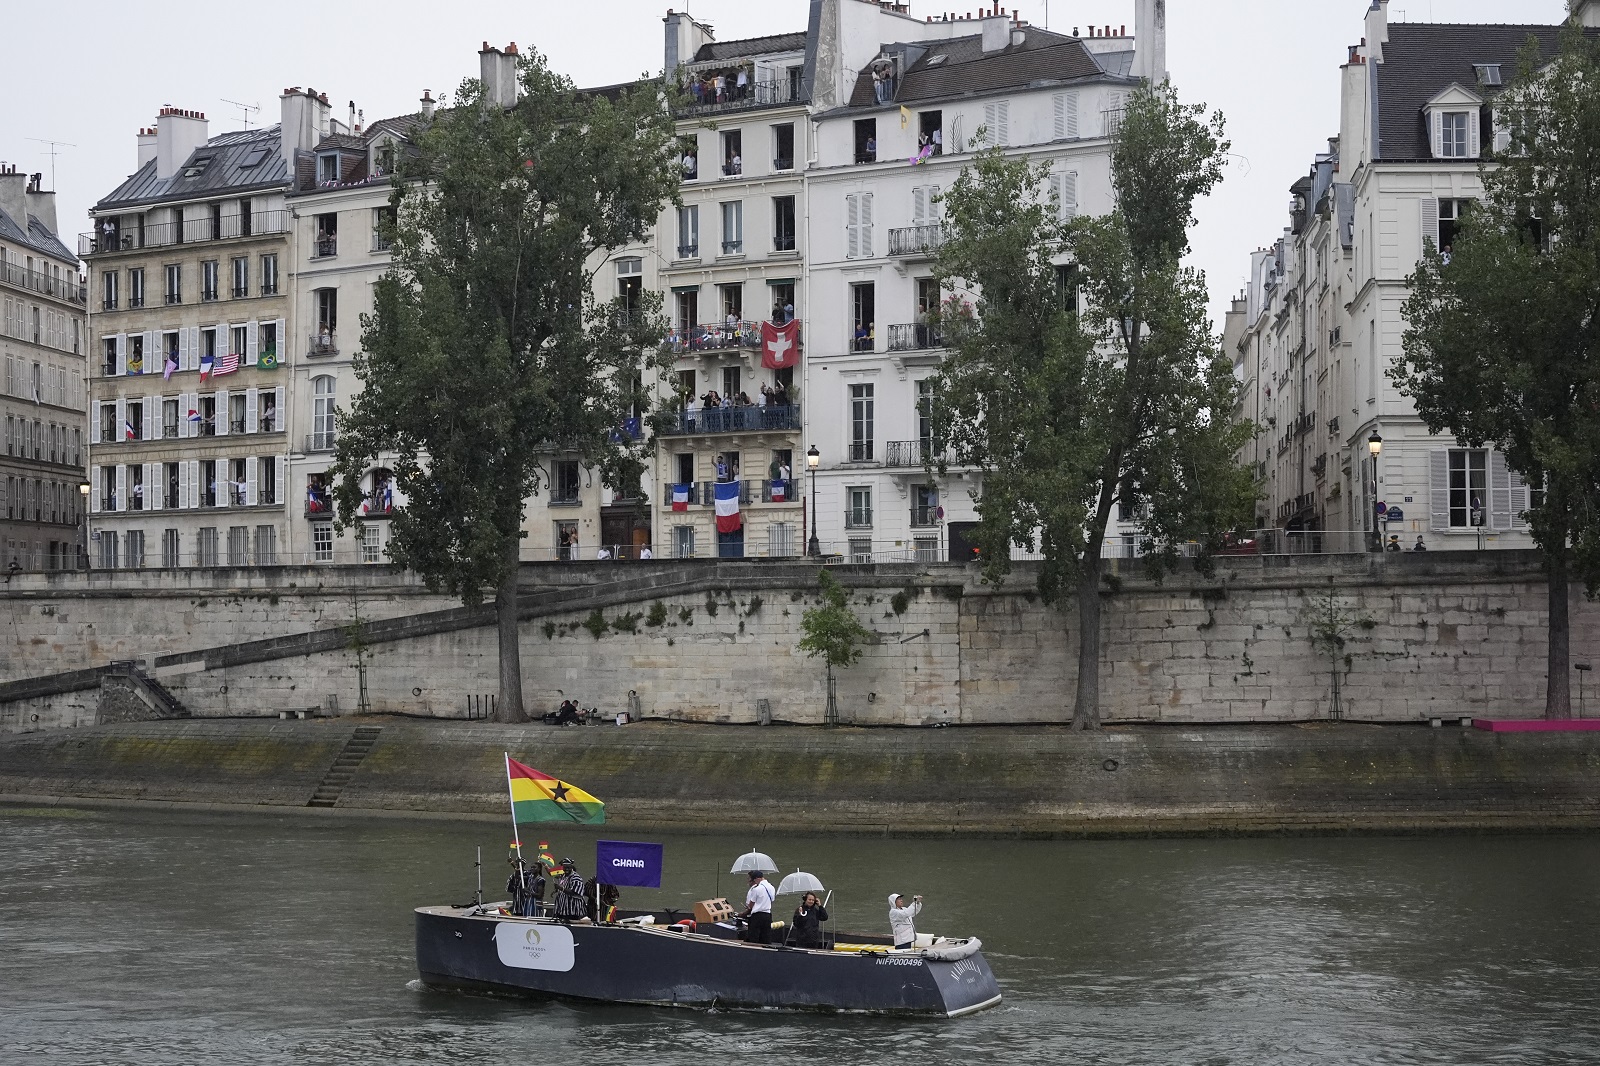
<point x="685" y="925"/>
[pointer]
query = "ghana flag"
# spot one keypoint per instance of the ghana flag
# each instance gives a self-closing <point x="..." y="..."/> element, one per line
<point x="538" y="797"/>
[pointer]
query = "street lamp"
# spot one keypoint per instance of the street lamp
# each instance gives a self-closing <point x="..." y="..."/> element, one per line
<point x="813" y="457"/>
<point x="1374" y="446"/>
<point x="83" y="491"/>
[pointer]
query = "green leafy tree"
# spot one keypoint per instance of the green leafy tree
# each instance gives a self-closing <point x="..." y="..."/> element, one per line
<point x="1503" y="340"/>
<point x="486" y="354"/>
<point x="833" y="632"/>
<point x="1085" y="375"/>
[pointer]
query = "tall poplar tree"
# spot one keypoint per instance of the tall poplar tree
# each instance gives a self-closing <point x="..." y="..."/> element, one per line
<point x="1084" y="374"/>
<point x="1503" y="341"/>
<point x="487" y="355"/>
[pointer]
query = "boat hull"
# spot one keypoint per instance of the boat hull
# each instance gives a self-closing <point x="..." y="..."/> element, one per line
<point x="655" y="966"/>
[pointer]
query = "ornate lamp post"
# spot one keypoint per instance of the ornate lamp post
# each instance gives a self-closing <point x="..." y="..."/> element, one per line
<point x="83" y="492"/>
<point x="1374" y="446"/>
<point x="813" y="457"/>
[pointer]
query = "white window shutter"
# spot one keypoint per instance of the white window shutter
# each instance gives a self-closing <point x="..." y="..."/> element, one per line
<point x="280" y="422"/>
<point x="1519" y="500"/>
<point x="250" y="344"/>
<point x="225" y="482"/>
<point x="1066" y="105"/>
<point x="94" y="427"/>
<point x="152" y="487"/>
<point x="186" y="495"/>
<point x="122" y="351"/>
<point x="250" y="424"/>
<point x="281" y="339"/>
<point x="250" y="481"/>
<point x="1499" y="492"/>
<point x="919" y="205"/>
<point x="1436" y="133"/>
<point x="1069" y="194"/>
<point x="1474" y="133"/>
<point x="852" y="225"/>
<point x="121" y="502"/>
<point x="866" y="226"/>
<point x="120" y="432"/>
<point x="185" y="347"/>
<point x="152" y="418"/>
<point x="222" y="413"/>
<point x="1430" y="221"/>
<point x="95" y="481"/>
<point x="280" y="486"/>
<point x="1439" y="490"/>
<point x="185" y="427"/>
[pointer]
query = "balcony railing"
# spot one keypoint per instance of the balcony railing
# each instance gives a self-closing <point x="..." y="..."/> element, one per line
<point x="714" y="336"/>
<point x="733" y="247"/>
<point x="774" y="93"/>
<point x="319" y="344"/>
<point x="769" y="419"/>
<point x="860" y="451"/>
<point x="325" y="247"/>
<point x="321" y="442"/>
<point x="708" y="492"/>
<point x="858" y="518"/>
<point x="916" y="240"/>
<point x="924" y="517"/>
<point x="47" y="284"/>
<point x="174" y="298"/>
<point x="319" y="503"/>
<point x="914" y="337"/>
<point x="688" y="251"/>
<point x="192" y="231"/>
<point x="906" y="454"/>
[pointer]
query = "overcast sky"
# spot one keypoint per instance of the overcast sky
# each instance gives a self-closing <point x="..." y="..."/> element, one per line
<point x="91" y="73"/>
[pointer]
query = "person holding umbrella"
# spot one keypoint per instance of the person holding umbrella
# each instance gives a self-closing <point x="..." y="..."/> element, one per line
<point x="807" y="921"/>
<point x="758" y="909"/>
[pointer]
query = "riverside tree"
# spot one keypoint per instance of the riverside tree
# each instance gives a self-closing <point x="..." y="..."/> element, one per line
<point x="486" y="353"/>
<point x="1503" y="342"/>
<point x="1084" y="373"/>
<point x="833" y="632"/>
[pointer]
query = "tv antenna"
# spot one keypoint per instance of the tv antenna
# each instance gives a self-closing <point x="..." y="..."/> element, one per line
<point x="246" y="110"/>
<point x="52" y="153"/>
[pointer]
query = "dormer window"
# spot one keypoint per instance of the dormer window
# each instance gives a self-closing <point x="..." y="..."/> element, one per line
<point x="1453" y="119"/>
<point x="327" y="168"/>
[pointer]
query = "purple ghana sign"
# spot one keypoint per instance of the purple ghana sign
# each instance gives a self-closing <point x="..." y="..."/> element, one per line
<point x="619" y="862"/>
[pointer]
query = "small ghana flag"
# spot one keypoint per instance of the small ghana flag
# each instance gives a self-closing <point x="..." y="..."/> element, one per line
<point x="538" y="797"/>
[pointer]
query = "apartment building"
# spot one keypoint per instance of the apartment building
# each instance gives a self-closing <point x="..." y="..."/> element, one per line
<point x="187" y="434"/>
<point x="891" y="145"/>
<point x="43" y="333"/>
<point x="339" y="200"/>
<point x="731" y="262"/>
<point x="1347" y="462"/>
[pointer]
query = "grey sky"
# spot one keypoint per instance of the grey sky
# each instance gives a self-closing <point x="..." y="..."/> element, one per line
<point x="92" y="73"/>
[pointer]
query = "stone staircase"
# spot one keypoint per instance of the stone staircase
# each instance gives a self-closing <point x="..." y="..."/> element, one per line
<point x="344" y="767"/>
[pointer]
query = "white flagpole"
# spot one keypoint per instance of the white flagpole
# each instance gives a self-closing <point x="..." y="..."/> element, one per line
<point x="515" y="836"/>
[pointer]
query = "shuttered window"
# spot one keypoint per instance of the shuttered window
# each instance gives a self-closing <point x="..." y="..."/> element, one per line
<point x="1066" y="110"/>
<point x="858" y="225"/>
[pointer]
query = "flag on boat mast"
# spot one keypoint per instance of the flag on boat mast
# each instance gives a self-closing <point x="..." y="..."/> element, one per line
<point x="538" y="797"/>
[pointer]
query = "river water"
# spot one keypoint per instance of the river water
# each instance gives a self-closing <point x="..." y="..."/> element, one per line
<point x="156" y="937"/>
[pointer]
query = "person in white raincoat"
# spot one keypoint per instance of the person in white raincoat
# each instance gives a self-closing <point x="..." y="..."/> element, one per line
<point x="901" y="926"/>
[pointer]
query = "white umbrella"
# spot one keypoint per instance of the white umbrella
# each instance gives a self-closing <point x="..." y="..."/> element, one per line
<point x="800" y="881"/>
<point x="754" y="860"/>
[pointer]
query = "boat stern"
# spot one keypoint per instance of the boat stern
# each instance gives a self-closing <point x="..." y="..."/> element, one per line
<point x="965" y="984"/>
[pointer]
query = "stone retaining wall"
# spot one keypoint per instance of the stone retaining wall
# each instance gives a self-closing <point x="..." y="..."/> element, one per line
<point x="1135" y="779"/>
<point x="1442" y="633"/>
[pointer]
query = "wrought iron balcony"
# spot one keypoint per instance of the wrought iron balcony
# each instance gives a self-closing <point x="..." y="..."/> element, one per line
<point x="914" y="337"/>
<point x="191" y="231"/>
<point x="321" y="442"/>
<point x="916" y="240"/>
<point x="858" y="518"/>
<point x="924" y="517"/>
<point x="714" y="336"/>
<point x="769" y="419"/>
<point x="319" y="344"/>
<point x="906" y="454"/>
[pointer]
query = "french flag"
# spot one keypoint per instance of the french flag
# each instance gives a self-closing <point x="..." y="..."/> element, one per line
<point x="127" y="427"/>
<point x="728" y="518"/>
<point x="780" y="491"/>
<point x="680" y="497"/>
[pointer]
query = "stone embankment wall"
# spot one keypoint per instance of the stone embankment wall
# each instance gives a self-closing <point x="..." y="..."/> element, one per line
<point x="1442" y="633"/>
<point x="1131" y="779"/>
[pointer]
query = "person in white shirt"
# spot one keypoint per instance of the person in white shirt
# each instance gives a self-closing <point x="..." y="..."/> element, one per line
<point x="645" y="553"/>
<point x="758" y="909"/>
<point x="603" y="553"/>
<point x="901" y="926"/>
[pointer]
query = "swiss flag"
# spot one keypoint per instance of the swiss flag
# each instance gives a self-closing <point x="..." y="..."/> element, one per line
<point x="780" y="345"/>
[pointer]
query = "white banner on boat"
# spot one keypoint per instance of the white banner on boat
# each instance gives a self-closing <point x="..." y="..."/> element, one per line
<point x="534" y="947"/>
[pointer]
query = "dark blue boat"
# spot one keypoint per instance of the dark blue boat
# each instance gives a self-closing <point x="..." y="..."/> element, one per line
<point x="479" y="948"/>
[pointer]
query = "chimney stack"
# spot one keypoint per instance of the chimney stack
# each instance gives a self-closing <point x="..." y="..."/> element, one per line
<point x="684" y="38"/>
<point x="498" y="72"/>
<point x="13" y="194"/>
<point x="996" y="32"/>
<point x="1150" y="41"/>
<point x="299" y="123"/>
<point x="427" y="103"/>
<point x="147" y="145"/>
<point x="178" y="134"/>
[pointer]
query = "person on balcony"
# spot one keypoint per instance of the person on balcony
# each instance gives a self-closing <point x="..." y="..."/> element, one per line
<point x="722" y="468"/>
<point x="324" y="337"/>
<point x="743" y="84"/>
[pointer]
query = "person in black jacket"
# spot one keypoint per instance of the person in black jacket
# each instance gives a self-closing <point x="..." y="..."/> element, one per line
<point x="806" y="927"/>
